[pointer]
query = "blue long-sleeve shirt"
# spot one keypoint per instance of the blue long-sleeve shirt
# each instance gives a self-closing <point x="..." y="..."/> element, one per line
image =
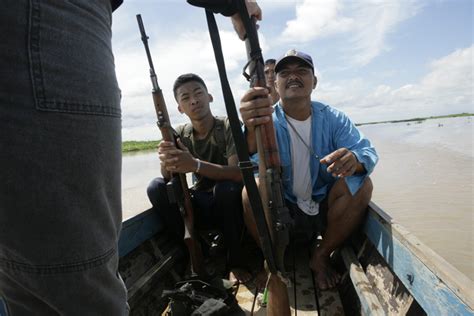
<point x="330" y="130"/>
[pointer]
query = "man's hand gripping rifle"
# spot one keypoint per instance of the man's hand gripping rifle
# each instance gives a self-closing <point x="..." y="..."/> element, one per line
<point x="177" y="187"/>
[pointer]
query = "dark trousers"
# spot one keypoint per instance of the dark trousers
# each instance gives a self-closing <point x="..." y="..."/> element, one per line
<point x="307" y="227"/>
<point x="219" y="209"/>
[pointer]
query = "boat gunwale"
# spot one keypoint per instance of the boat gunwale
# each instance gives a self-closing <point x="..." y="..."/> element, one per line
<point x="458" y="283"/>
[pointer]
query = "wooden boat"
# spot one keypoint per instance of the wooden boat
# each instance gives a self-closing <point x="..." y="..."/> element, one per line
<point x="385" y="271"/>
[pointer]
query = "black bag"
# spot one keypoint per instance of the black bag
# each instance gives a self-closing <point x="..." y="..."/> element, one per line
<point x="199" y="298"/>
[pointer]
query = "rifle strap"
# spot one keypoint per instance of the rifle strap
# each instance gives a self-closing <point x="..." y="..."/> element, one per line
<point x="242" y="149"/>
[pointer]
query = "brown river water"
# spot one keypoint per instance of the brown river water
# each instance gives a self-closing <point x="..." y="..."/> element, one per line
<point x="424" y="180"/>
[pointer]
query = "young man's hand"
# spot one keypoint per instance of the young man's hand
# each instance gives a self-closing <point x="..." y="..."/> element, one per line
<point x="177" y="160"/>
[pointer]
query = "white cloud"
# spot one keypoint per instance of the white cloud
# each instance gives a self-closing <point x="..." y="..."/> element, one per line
<point x="374" y="21"/>
<point x="316" y="18"/>
<point x="364" y="25"/>
<point x="186" y="52"/>
<point x="361" y="28"/>
<point x="446" y="88"/>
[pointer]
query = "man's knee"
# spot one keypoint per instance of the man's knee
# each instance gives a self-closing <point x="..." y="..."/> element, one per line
<point x="156" y="188"/>
<point x="367" y="189"/>
<point x="360" y="199"/>
<point x="364" y="194"/>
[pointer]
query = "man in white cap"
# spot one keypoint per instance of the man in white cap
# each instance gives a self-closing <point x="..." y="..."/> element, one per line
<point x="320" y="139"/>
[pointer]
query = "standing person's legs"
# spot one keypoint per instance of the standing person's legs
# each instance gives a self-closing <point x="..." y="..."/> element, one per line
<point x="60" y="155"/>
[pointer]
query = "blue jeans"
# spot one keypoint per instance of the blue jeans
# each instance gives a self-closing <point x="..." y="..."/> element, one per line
<point x="60" y="159"/>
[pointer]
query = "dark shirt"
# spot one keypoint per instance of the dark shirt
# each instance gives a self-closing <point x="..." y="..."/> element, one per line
<point x="208" y="149"/>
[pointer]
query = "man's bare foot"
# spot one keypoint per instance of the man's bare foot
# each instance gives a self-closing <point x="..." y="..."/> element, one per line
<point x="325" y="276"/>
<point x="239" y="275"/>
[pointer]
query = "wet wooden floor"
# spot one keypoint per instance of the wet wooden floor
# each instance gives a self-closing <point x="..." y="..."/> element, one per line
<point x="304" y="299"/>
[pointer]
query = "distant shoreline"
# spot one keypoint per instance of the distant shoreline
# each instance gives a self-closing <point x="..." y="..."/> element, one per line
<point x="134" y="145"/>
<point x="139" y="145"/>
<point x="417" y="119"/>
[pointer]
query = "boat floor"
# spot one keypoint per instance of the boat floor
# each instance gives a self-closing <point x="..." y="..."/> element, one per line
<point x="304" y="299"/>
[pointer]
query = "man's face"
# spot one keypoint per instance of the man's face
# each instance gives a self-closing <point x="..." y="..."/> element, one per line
<point x="269" y="70"/>
<point x="295" y="80"/>
<point x="193" y="100"/>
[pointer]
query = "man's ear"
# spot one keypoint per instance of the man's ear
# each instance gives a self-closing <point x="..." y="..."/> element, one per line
<point x="211" y="98"/>
<point x="315" y="82"/>
<point x="180" y="109"/>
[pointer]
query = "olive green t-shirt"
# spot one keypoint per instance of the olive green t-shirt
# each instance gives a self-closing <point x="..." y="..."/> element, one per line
<point x="216" y="148"/>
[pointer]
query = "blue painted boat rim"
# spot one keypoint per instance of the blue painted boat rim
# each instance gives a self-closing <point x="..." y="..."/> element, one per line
<point x="458" y="283"/>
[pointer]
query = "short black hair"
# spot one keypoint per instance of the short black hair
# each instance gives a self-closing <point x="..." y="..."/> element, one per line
<point x="185" y="78"/>
<point x="270" y="61"/>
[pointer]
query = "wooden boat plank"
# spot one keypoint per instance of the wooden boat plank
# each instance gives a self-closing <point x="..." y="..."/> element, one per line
<point x="157" y="250"/>
<point x="301" y="293"/>
<point x="330" y="303"/>
<point x="290" y="262"/>
<point x="137" y="230"/>
<point x="369" y="301"/>
<point x="427" y="287"/>
<point x="246" y="298"/>
<point x="304" y="301"/>
<point x="392" y="294"/>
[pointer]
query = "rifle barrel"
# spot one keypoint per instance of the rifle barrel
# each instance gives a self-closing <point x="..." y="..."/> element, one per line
<point x="145" y="42"/>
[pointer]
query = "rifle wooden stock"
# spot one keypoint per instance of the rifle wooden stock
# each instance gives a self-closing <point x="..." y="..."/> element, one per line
<point x="183" y="197"/>
<point x="181" y="193"/>
<point x="270" y="185"/>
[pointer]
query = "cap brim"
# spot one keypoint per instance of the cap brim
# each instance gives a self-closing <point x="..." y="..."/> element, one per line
<point x="287" y="59"/>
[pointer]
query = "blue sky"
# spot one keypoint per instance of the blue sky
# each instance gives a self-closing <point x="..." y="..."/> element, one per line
<point x="375" y="59"/>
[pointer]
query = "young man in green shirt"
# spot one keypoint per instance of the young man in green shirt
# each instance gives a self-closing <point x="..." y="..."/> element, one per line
<point x="207" y="149"/>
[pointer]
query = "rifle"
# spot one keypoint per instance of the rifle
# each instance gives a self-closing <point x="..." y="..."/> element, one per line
<point x="177" y="187"/>
<point x="269" y="166"/>
<point x="270" y="213"/>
